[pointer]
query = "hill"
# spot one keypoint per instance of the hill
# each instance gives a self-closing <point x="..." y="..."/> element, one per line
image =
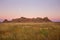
<point x="24" y="19"/>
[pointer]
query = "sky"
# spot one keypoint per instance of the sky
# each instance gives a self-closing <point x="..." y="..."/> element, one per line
<point x="10" y="9"/>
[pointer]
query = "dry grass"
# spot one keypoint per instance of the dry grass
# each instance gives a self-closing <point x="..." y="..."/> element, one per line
<point x="29" y="31"/>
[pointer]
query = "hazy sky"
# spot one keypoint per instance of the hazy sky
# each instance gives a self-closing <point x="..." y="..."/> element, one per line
<point x="30" y="8"/>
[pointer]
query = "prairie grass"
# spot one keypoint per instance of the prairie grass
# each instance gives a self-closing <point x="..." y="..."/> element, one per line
<point x="29" y="31"/>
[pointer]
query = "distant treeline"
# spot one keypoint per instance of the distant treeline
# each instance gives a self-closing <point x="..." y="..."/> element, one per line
<point x="24" y="19"/>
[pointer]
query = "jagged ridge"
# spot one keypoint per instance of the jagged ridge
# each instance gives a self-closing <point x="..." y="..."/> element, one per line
<point x="24" y="19"/>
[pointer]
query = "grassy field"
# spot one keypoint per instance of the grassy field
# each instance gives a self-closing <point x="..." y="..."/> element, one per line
<point x="29" y="31"/>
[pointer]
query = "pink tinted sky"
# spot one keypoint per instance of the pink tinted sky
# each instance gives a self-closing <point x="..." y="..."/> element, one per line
<point x="30" y="8"/>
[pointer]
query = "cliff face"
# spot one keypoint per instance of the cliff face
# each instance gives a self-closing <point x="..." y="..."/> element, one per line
<point x="23" y="19"/>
